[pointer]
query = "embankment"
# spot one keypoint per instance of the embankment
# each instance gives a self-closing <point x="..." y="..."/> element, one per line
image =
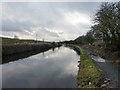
<point x="89" y="75"/>
<point x="102" y="51"/>
<point x="20" y="48"/>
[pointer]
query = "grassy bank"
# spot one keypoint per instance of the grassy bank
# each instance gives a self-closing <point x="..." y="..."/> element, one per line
<point x="15" y="46"/>
<point x="17" y="56"/>
<point x="88" y="75"/>
<point x="20" y="48"/>
<point x="104" y="52"/>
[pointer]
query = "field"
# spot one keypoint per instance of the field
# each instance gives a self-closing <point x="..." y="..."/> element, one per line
<point x="10" y="41"/>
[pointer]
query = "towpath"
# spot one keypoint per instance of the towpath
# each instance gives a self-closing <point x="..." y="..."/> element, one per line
<point x="109" y="71"/>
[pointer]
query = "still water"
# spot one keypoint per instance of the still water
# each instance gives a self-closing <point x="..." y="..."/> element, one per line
<point x="52" y="69"/>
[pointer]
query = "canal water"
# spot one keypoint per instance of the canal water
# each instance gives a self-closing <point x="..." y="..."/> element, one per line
<point x="56" y="68"/>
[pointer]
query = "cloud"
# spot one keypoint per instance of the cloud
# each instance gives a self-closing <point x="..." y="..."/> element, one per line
<point x="76" y="18"/>
<point x="52" y="21"/>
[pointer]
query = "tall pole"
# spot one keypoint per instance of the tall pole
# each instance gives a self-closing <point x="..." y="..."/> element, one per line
<point x="36" y="36"/>
<point x="43" y="40"/>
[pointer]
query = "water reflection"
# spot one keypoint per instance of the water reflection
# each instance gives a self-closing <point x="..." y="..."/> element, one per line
<point x="52" y="69"/>
<point x="97" y="58"/>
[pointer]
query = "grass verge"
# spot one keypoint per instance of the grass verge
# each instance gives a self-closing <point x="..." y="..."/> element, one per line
<point x="88" y="75"/>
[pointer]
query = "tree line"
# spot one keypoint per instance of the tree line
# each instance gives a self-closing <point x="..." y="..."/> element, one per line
<point x="106" y="27"/>
<point x="107" y="24"/>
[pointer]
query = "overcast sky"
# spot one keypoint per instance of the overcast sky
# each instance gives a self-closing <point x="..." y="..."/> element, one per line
<point x="51" y="21"/>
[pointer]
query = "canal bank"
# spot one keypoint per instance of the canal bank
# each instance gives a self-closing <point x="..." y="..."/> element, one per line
<point x="89" y="75"/>
<point x="24" y="49"/>
<point x="104" y="74"/>
<point x="101" y="50"/>
<point x="20" y="48"/>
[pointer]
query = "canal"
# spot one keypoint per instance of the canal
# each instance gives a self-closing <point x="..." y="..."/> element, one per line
<point x="55" y="68"/>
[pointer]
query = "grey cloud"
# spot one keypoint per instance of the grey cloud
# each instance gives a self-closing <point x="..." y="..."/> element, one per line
<point x="32" y="15"/>
<point x="14" y="25"/>
<point x="8" y="25"/>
